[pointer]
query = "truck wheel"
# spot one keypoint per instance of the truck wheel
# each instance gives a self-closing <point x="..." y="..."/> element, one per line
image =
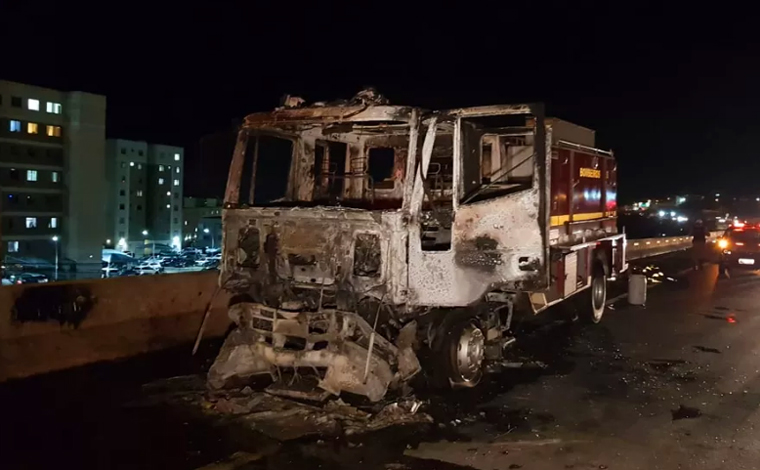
<point x="466" y="348"/>
<point x="598" y="296"/>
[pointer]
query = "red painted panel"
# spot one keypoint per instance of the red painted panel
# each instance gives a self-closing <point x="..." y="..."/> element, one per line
<point x="611" y="186"/>
<point x="587" y="189"/>
<point x="560" y="181"/>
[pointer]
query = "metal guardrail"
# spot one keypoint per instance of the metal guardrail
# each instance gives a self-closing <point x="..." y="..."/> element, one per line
<point x="645" y="247"/>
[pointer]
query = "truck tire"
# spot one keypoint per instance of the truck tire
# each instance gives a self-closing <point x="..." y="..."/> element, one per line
<point x="597" y="297"/>
<point x="464" y="353"/>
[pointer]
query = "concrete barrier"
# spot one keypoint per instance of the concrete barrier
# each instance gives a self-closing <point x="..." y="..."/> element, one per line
<point x="646" y="247"/>
<point x="56" y="326"/>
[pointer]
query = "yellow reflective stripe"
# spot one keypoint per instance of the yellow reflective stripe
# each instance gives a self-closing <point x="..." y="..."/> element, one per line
<point x="561" y="219"/>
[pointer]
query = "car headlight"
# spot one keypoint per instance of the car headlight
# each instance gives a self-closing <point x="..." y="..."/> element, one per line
<point x="722" y="243"/>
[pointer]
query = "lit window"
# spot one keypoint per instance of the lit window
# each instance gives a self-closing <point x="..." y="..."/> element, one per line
<point x="160" y="168"/>
<point x="168" y="193"/>
<point x="32" y="128"/>
<point x="15" y="126"/>
<point x="131" y="163"/>
<point x="160" y="181"/>
<point x="33" y="105"/>
<point x="53" y="108"/>
<point x="176" y="182"/>
<point x="54" y="176"/>
<point x="12" y="247"/>
<point x="53" y="222"/>
<point x="139" y="193"/>
<point x="177" y="169"/>
<point x="168" y="206"/>
<point x="186" y="222"/>
<point x="139" y="166"/>
<point x="31" y="175"/>
<point x="53" y="131"/>
<point x="176" y="157"/>
<point x="31" y="222"/>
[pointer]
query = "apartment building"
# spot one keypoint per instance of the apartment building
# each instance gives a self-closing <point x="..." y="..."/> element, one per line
<point x="52" y="193"/>
<point x="145" y="194"/>
<point x="203" y="222"/>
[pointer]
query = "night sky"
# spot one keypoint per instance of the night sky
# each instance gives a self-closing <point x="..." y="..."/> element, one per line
<point x="674" y="93"/>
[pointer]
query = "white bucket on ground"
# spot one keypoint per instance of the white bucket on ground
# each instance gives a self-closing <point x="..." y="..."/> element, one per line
<point x="637" y="289"/>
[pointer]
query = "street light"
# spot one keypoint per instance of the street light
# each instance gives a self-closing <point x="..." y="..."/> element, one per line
<point x="55" y="241"/>
<point x="153" y="250"/>
<point x="206" y="231"/>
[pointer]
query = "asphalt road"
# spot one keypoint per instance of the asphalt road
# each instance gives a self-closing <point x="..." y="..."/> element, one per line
<point x="675" y="385"/>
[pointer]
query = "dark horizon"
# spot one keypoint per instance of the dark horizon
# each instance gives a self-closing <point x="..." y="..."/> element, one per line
<point x="673" y="97"/>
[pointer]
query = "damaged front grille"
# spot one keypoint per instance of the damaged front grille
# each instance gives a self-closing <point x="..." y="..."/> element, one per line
<point x="346" y="350"/>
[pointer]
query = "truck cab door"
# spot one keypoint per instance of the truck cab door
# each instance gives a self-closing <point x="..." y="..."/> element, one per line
<point x="459" y="248"/>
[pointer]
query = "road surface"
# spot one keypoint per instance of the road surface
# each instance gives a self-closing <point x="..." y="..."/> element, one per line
<point x="675" y="385"/>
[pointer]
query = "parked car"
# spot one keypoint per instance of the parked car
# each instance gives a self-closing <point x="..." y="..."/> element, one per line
<point x="211" y="265"/>
<point x="109" y="271"/>
<point x="149" y="267"/>
<point x="29" y="278"/>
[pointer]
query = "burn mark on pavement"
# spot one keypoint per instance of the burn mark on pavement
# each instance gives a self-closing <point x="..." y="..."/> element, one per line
<point x="664" y="365"/>
<point x="707" y="350"/>
<point x="686" y="412"/>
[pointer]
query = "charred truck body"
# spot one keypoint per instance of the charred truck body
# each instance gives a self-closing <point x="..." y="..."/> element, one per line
<point x="362" y="240"/>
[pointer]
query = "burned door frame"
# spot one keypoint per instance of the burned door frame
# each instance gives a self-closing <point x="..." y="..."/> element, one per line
<point x="477" y="261"/>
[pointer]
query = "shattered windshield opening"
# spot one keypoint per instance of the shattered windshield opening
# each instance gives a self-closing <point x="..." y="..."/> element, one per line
<point x="359" y="169"/>
<point x="266" y="170"/>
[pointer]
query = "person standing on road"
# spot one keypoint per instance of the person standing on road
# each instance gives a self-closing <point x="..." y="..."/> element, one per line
<point x="699" y="243"/>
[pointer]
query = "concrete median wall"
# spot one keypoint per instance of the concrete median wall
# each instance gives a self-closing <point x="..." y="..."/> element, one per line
<point x="51" y="327"/>
<point x="45" y="328"/>
<point x="646" y="247"/>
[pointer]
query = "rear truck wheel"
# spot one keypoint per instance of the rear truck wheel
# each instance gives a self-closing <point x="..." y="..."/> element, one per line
<point x="598" y="295"/>
<point x="465" y="345"/>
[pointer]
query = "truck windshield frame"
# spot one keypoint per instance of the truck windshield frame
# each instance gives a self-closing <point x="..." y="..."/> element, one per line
<point x="326" y="167"/>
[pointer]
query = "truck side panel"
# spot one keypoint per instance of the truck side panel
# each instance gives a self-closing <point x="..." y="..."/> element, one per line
<point x="587" y="186"/>
<point x="560" y="187"/>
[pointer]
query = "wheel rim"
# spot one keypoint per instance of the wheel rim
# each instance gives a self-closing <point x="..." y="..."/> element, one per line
<point x="469" y="354"/>
<point x="598" y="296"/>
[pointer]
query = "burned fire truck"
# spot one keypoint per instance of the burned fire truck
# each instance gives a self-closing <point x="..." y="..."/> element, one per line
<point x="365" y="242"/>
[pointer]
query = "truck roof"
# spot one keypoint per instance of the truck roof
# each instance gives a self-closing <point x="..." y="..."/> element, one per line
<point x="367" y="107"/>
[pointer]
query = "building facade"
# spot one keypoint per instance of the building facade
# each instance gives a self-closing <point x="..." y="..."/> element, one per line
<point x="203" y="222"/>
<point x="52" y="149"/>
<point x="145" y="195"/>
